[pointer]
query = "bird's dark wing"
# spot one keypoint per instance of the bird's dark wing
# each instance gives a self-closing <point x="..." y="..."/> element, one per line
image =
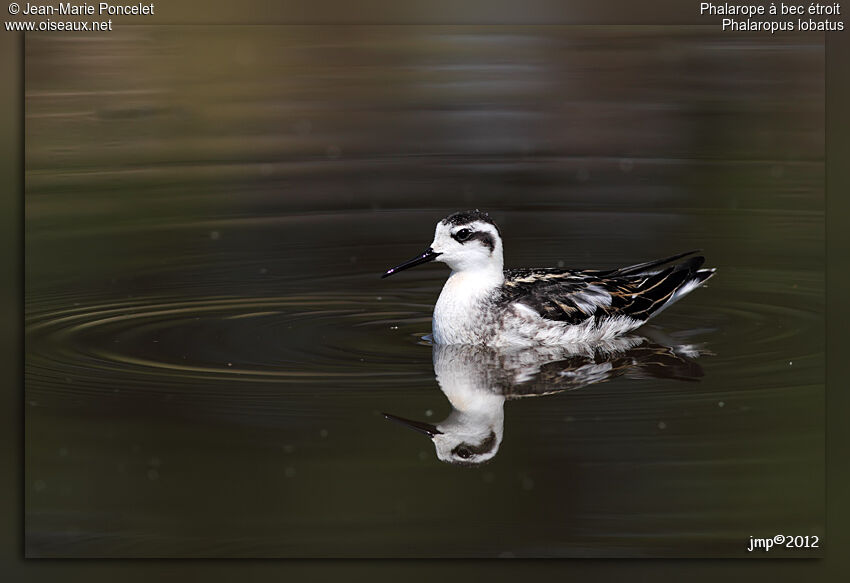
<point x="571" y="296"/>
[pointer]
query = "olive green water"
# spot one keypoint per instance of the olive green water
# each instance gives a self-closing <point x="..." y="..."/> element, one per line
<point x="209" y="349"/>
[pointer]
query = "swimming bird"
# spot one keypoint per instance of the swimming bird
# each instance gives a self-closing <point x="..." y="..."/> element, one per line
<point x="483" y="304"/>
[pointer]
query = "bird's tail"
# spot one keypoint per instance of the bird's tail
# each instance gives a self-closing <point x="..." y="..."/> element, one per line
<point x="662" y="288"/>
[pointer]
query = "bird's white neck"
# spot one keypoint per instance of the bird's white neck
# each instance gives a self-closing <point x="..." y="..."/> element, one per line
<point x="457" y="314"/>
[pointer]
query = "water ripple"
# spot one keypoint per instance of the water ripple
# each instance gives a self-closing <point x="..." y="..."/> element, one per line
<point x="259" y="339"/>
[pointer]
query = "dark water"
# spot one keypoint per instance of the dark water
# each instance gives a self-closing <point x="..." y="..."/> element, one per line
<point x="210" y="350"/>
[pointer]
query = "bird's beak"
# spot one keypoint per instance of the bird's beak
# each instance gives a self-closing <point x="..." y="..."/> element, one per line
<point x="429" y="255"/>
<point x="426" y="428"/>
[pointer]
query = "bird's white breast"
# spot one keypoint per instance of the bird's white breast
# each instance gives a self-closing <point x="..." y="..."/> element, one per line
<point x="461" y="311"/>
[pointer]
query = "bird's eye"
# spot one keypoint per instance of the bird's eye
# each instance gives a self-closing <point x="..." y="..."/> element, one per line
<point x="463" y="453"/>
<point x="463" y="234"/>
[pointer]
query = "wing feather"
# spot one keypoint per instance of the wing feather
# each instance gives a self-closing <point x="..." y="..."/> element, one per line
<point x="571" y="296"/>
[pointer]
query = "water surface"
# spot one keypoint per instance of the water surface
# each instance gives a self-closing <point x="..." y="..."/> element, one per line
<point x="210" y="350"/>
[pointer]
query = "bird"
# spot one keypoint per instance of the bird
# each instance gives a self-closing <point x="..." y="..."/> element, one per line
<point x="478" y="380"/>
<point x="482" y="303"/>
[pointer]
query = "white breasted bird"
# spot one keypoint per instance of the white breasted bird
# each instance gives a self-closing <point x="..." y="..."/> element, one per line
<point x="484" y="304"/>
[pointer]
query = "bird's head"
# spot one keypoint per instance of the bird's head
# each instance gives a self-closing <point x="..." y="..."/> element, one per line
<point x="465" y="241"/>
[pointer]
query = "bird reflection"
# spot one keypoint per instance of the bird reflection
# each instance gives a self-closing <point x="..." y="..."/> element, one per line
<point x="477" y="380"/>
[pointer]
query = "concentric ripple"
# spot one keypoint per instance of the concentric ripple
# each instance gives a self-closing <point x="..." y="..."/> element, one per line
<point x="318" y="338"/>
<point x="352" y="338"/>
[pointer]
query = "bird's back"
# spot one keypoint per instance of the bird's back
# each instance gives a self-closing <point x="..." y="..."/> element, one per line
<point x="637" y="292"/>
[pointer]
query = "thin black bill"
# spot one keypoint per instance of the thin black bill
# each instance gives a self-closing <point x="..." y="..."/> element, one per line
<point x="429" y="255"/>
<point x="426" y="428"/>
